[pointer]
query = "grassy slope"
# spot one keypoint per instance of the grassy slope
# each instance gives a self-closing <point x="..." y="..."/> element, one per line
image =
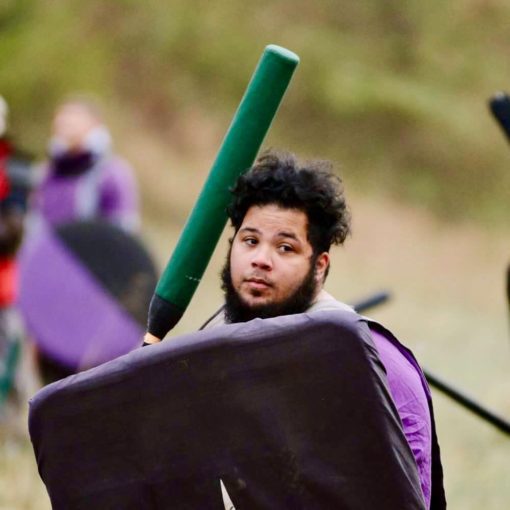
<point x="396" y="94"/>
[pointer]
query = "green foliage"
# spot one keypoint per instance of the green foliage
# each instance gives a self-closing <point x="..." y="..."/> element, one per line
<point x="396" y="92"/>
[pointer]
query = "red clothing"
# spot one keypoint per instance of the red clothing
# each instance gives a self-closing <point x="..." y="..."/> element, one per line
<point x="7" y="265"/>
<point x="8" y="281"/>
<point x="5" y="152"/>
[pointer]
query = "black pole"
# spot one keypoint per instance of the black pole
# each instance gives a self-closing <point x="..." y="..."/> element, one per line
<point x="467" y="402"/>
<point x="374" y="300"/>
<point x="499" y="105"/>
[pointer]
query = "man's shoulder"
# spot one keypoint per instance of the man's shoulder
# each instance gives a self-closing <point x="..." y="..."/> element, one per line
<point x="326" y="301"/>
<point x="217" y="319"/>
<point x="116" y="165"/>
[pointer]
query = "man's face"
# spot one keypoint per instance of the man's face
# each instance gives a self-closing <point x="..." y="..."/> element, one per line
<point x="272" y="270"/>
<point x="72" y="123"/>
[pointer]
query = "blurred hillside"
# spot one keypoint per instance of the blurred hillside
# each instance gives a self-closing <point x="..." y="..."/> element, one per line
<point x="396" y="92"/>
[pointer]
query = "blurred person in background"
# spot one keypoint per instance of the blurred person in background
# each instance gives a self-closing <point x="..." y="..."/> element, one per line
<point x="83" y="179"/>
<point x="15" y="183"/>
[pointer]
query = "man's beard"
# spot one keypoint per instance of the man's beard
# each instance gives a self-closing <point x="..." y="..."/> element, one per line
<point x="237" y="310"/>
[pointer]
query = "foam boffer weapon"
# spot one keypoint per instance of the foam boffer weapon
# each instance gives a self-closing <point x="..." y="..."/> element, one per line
<point x="499" y="105"/>
<point x="207" y="219"/>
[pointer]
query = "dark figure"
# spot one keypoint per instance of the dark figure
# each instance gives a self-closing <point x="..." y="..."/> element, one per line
<point x="15" y="184"/>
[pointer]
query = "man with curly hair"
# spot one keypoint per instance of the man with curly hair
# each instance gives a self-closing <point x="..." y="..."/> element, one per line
<point x="285" y="219"/>
<point x="286" y="216"/>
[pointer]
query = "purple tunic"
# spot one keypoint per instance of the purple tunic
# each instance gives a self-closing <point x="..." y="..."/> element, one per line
<point x="107" y="191"/>
<point x="411" y="402"/>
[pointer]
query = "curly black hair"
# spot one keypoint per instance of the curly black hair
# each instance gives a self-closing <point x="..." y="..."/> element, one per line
<point x="312" y="187"/>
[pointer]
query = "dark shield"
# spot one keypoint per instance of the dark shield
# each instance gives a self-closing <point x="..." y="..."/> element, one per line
<point x="292" y="412"/>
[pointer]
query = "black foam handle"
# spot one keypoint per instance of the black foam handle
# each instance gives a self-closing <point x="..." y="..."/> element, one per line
<point x="163" y="316"/>
<point x="499" y="105"/>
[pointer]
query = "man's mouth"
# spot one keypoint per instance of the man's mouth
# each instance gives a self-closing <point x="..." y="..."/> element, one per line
<point x="258" y="283"/>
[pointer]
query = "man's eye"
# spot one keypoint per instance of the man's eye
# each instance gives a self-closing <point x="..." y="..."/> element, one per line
<point x="250" y="241"/>
<point x="286" y="248"/>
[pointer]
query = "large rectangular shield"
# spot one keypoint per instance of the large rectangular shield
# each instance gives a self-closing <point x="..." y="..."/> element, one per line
<point x="291" y="413"/>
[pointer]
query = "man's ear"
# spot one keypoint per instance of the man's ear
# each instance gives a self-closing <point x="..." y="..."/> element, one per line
<point x="321" y="266"/>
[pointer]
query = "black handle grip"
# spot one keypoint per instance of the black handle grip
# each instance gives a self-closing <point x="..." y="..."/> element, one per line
<point x="499" y="105"/>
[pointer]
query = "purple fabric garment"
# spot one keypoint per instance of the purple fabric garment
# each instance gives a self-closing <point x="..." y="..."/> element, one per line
<point x="411" y="401"/>
<point x="72" y="317"/>
<point x="107" y="190"/>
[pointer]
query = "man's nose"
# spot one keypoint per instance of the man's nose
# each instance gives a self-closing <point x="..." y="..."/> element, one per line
<point x="262" y="258"/>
